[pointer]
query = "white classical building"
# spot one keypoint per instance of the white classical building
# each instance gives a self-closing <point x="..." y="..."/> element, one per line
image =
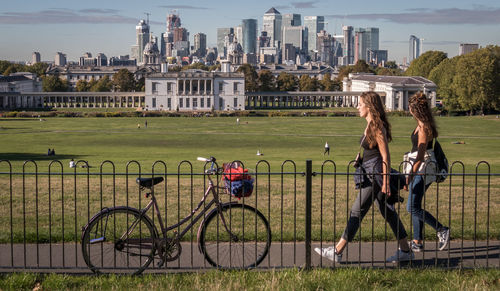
<point x="12" y="85"/>
<point x="398" y="89"/>
<point x="195" y="90"/>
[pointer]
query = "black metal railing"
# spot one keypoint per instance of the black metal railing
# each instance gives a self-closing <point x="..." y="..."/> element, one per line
<point x="307" y="206"/>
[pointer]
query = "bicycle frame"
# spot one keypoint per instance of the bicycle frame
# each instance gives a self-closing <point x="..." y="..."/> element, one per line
<point x="211" y="188"/>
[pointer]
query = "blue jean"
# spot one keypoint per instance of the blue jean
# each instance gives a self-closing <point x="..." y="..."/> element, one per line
<point x="417" y="189"/>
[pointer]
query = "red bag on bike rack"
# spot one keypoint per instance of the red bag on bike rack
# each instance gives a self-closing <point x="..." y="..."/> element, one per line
<point x="237" y="180"/>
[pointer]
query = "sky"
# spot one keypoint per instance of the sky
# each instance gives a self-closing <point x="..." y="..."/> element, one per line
<point x="76" y="27"/>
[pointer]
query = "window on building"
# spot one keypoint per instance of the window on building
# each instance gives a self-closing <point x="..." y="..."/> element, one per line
<point x="169" y="87"/>
<point x="188" y="87"/>
<point x="181" y="86"/>
<point x="202" y="86"/>
<point x="154" y="102"/>
<point x="195" y="102"/>
<point x="195" y="87"/>
<point x="154" y="87"/>
<point x="221" y="87"/>
<point x="202" y="102"/>
<point x="187" y="102"/>
<point x="181" y="102"/>
<point x="208" y="102"/>
<point x="235" y="102"/>
<point x="169" y="103"/>
<point x="235" y="87"/>
<point x="209" y="85"/>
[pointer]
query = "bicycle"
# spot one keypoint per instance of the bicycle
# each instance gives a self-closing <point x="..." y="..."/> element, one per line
<point x="126" y="240"/>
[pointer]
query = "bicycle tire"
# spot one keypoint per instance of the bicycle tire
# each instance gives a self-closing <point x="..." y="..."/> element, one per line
<point x="106" y="247"/>
<point x="247" y="249"/>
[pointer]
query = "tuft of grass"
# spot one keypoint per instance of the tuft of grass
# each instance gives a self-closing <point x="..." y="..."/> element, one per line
<point x="290" y="279"/>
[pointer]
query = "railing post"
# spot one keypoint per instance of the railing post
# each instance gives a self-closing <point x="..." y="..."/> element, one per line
<point x="308" y="212"/>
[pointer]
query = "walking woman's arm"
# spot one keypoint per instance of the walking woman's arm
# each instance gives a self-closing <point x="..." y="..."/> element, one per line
<point x="383" y="146"/>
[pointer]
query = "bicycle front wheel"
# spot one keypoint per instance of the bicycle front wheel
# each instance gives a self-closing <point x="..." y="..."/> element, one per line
<point x="242" y="243"/>
<point x="118" y="240"/>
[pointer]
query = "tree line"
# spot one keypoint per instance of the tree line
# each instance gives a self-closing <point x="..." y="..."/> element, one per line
<point x="469" y="82"/>
<point x="122" y="81"/>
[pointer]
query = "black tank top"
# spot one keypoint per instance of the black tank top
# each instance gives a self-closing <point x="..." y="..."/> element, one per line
<point x="414" y="142"/>
<point x="368" y="153"/>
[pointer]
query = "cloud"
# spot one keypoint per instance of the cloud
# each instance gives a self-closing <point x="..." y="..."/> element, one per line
<point x="99" y="11"/>
<point x="187" y="7"/>
<point x="56" y="16"/>
<point x="482" y="15"/>
<point x="308" y="4"/>
<point x="282" y="7"/>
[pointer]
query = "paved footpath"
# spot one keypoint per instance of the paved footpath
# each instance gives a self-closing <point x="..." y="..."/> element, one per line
<point x="467" y="254"/>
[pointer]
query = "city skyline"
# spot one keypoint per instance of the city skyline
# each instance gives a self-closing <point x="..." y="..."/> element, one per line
<point x="75" y="28"/>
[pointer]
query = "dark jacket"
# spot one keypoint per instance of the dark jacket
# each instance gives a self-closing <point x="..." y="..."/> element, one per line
<point x="370" y="171"/>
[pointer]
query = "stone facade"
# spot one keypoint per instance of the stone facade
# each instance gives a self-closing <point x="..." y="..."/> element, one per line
<point x="398" y="89"/>
<point x="195" y="90"/>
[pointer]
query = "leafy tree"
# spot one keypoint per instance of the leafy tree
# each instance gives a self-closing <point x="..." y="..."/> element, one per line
<point x="307" y="83"/>
<point x="443" y="75"/>
<point x="388" y="71"/>
<point x="82" y="86"/>
<point x="391" y="65"/>
<point x="140" y="86"/>
<point x="3" y="66"/>
<point x="103" y="85"/>
<point x="124" y="81"/>
<point x="215" y="67"/>
<point x="175" y="69"/>
<point x="476" y="80"/>
<point x="423" y="65"/>
<point x="54" y="84"/>
<point x="327" y="84"/>
<point x="266" y="81"/>
<point x="196" y="66"/>
<point x="39" y="68"/>
<point x="360" y="67"/>
<point x="251" y="84"/>
<point x="286" y="82"/>
<point x="11" y="69"/>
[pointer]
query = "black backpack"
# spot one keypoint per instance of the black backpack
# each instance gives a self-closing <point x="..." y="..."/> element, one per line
<point x="441" y="161"/>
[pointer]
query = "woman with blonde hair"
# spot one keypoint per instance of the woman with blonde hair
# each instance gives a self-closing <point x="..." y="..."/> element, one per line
<point x="417" y="181"/>
<point x="376" y="163"/>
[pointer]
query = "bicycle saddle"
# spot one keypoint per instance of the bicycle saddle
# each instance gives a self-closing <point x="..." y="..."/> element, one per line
<point x="148" y="182"/>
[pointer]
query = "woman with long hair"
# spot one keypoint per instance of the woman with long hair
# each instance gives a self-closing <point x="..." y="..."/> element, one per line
<point x="417" y="181"/>
<point x="376" y="163"/>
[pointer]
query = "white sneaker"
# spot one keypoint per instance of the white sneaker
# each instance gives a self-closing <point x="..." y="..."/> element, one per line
<point x="329" y="253"/>
<point x="401" y="256"/>
<point x="444" y="238"/>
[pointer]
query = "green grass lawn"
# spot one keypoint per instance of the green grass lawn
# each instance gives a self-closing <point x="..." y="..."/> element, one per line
<point x="293" y="279"/>
<point x="174" y="140"/>
<point x="177" y="139"/>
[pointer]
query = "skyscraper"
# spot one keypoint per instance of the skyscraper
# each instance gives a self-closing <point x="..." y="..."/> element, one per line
<point x="365" y="39"/>
<point x="60" y="59"/>
<point x="314" y="25"/>
<point x="249" y="42"/>
<point x="414" y="48"/>
<point x="35" y="58"/>
<point x="142" y="38"/>
<point x="325" y="45"/>
<point x="466" y="48"/>
<point x="200" y="44"/>
<point x="272" y="25"/>
<point x="291" y="19"/>
<point x="348" y="56"/>
<point x="221" y="37"/>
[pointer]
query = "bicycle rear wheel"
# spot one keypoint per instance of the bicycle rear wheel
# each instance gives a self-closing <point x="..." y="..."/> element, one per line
<point x="118" y="240"/>
<point x="244" y="246"/>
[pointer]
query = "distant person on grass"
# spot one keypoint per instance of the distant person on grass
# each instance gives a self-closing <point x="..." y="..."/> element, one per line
<point x="422" y="140"/>
<point x="376" y="159"/>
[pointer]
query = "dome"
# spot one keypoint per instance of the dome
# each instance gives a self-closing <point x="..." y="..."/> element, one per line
<point x="151" y="48"/>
